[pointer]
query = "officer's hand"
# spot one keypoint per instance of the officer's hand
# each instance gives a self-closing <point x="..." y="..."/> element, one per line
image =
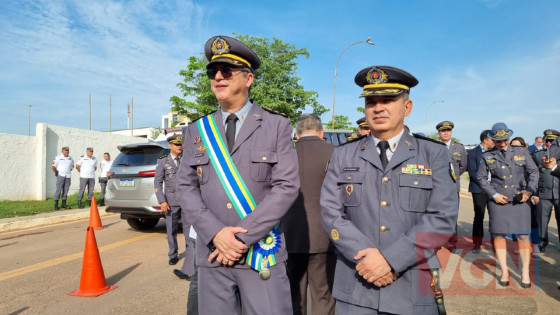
<point x="220" y="258"/>
<point x="501" y="199"/>
<point x="535" y="200"/>
<point x="228" y="245"/>
<point x="549" y="163"/>
<point x="373" y="265"/>
<point x="526" y="195"/>
<point x="385" y="280"/>
<point x="164" y="206"/>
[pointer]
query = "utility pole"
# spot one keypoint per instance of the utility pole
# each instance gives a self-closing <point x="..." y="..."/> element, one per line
<point x="89" y="111"/>
<point x="132" y="117"/>
<point x="110" y="103"/>
<point x="29" y="123"/>
<point x="127" y="115"/>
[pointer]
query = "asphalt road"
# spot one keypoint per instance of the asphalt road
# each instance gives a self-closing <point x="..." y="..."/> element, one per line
<point x="39" y="266"/>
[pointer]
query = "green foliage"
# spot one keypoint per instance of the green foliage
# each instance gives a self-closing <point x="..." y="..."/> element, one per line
<point x="340" y="122"/>
<point x="276" y="85"/>
<point x="435" y="136"/>
<point x="361" y="109"/>
<point x="10" y="209"/>
<point x="155" y="133"/>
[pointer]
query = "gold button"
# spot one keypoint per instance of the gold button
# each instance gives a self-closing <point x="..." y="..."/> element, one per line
<point x="384" y="179"/>
<point x="264" y="158"/>
<point x="229" y="205"/>
<point x="510" y="176"/>
<point x="198" y="161"/>
<point x="503" y="166"/>
<point x="415" y="182"/>
<point x="505" y="186"/>
<point x="504" y="176"/>
<point x="383" y="228"/>
<point x="383" y="203"/>
<point x="349" y="177"/>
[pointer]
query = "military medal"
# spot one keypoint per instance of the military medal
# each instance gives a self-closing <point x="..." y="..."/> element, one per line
<point x="197" y="140"/>
<point x="349" y="189"/>
<point x="264" y="273"/>
<point x="199" y="171"/>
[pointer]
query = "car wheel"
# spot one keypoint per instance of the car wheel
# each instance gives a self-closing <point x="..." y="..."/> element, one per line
<point x="141" y="223"/>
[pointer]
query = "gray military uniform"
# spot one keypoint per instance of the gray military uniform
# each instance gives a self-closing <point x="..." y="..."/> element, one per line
<point x="549" y="196"/>
<point x="508" y="176"/>
<point x="459" y="160"/>
<point x="406" y="211"/>
<point x="165" y="188"/>
<point x="267" y="162"/>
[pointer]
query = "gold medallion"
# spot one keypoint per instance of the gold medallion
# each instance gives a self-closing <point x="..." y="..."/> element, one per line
<point x="349" y="189"/>
<point x="264" y="273"/>
<point x="199" y="171"/>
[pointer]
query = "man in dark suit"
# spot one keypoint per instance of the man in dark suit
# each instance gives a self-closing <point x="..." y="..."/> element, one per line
<point x="480" y="199"/>
<point x="537" y="145"/>
<point x="311" y="258"/>
<point x="238" y="178"/>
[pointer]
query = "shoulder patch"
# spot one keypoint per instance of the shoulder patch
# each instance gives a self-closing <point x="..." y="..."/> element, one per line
<point x="353" y="140"/>
<point x="274" y="112"/>
<point x="163" y="156"/>
<point x="417" y="136"/>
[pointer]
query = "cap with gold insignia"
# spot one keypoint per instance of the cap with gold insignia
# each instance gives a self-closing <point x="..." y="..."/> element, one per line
<point x="90" y="149"/>
<point x="550" y="134"/>
<point x="232" y="51"/>
<point x="65" y="148"/>
<point x="175" y="139"/>
<point x="445" y="125"/>
<point x="353" y="136"/>
<point x="362" y="122"/>
<point x="500" y="131"/>
<point x="385" y="81"/>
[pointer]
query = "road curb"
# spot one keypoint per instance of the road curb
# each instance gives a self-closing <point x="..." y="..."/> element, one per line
<point x="43" y="219"/>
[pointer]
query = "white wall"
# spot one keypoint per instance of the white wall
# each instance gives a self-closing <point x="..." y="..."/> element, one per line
<point x="26" y="172"/>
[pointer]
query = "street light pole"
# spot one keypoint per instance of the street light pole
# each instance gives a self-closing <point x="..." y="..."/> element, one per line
<point x="29" y="122"/>
<point x="427" y="109"/>
<point x="368" y="41"/>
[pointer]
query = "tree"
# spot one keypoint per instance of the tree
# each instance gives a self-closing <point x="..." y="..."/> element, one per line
<point x="340" y="122"/>
<point x="155" y="133"/>
<point x="276" y="85"/>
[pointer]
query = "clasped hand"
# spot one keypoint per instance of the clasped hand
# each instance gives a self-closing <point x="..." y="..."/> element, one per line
<point x="228" y="248"/>
<point x="374" y="268"/>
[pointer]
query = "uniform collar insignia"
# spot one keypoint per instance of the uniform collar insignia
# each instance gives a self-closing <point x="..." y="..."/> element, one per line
<point x="257" y="116"/>
<point x="201" y="148"/>
<point x="408" y="143"/>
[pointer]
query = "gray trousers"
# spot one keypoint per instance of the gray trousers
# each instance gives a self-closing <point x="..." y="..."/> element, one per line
<point x="90" y="182"/>
<point x="544" y="212"/>
<point x="192" y="299"/>
<point x="62" y="185"/>
<point x="172" y="218"/>
<point x="103" y="184"/>
<point x="223" y="290"/>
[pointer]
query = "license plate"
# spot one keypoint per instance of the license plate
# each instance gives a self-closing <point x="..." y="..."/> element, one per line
<point x="126" y="182"/>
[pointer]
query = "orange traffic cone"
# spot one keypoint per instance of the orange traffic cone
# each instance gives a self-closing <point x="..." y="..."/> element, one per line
<point x="92" y="280"/>
<point x="94" y="220"/>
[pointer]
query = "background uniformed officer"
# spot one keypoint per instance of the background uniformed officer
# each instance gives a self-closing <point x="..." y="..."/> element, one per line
<point x="87" y="165"/>
<point x="385" y="199"/>
<point x="105" y="167"/>
<point x="363" y="127"/>
<point x="258" y="142"/>
<point x="62" y="166"/>
<point x="459" y="162"/>
<point x="548" y="194"/>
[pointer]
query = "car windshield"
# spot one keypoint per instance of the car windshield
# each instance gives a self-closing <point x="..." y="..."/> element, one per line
<point x="140" y="156"/>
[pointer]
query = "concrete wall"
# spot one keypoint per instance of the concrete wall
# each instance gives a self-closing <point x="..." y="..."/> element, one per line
<point x="26" y="172"/>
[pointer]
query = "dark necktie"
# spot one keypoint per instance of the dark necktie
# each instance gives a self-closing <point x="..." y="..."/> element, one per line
<point x="503" y="153"/>
<point x="383" y="146"/>
<point x="177" y="161"/>
<point x="230" y="130"/>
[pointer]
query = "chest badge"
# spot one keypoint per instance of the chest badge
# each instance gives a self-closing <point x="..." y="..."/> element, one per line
<point x="201" y="148"/>
<point x="199" y="171"/>
<point x="197" y="140"/>
<point x="349" y="189"/>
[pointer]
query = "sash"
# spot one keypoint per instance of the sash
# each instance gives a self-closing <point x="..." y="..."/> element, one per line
<point x="260" y="254"/>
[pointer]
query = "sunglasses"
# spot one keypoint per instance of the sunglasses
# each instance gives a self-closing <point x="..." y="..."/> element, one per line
<point x="227" y="72"/>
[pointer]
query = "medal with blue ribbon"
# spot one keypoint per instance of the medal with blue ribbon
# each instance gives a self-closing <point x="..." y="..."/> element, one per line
<point x="261" y="254"/>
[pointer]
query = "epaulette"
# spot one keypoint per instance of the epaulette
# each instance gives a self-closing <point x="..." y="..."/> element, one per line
<point x="417" y="136"/>
<point x="353" y="140"/>
<point x="210" y="113"/>
<point x="163" y="156"/>
<point x="539" y="150"/>
<point x="274" y="112"/>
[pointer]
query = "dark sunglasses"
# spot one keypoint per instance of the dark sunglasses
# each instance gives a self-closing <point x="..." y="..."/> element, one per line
<point x="227" y="72"/>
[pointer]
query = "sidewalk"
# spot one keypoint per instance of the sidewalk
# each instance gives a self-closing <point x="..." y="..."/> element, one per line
<point x="42" y="219"/>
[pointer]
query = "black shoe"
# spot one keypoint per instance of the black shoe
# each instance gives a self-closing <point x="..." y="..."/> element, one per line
<point x="64" y="205"/>
<point x="476" y="249"/>
<point x="525" y="285"/>
<point x="56" y="205"/>
<point x="173" y="261"/>
<point x="102" y="202"/>
<point x="181" y="275"/>
<point x="80" y="205"/>
<point x="542" y="248"/>
<point x="503" y="283"/>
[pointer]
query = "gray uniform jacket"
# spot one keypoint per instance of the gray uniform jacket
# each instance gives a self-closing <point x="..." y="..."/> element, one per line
<point x="304" y="231"/>
<point x="267" y="162"/>
<point x="459" y="159"/>
<point x="548" y="184"/>
<point x="166" y="171"/>
<point x="404" y="215"/>
<point x="508" y="174"/>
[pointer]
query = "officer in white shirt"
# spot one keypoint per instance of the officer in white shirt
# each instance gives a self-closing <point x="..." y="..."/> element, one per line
<point x="62" y="166"/>
<point x="105" y="164"/>
<point x="87" y="165"/>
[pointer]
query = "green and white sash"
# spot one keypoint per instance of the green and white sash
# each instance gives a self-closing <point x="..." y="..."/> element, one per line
<point x="260" y="254"/>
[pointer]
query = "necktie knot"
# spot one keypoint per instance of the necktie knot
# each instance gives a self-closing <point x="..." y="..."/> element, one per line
<point x="383" y="145"/>
<point x="231" y="117"/>
<point x="230" y="130"/>
<point x="177" y="161"/>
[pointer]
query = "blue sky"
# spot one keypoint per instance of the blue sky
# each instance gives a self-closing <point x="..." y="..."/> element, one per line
<point x="489" y="60"/>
